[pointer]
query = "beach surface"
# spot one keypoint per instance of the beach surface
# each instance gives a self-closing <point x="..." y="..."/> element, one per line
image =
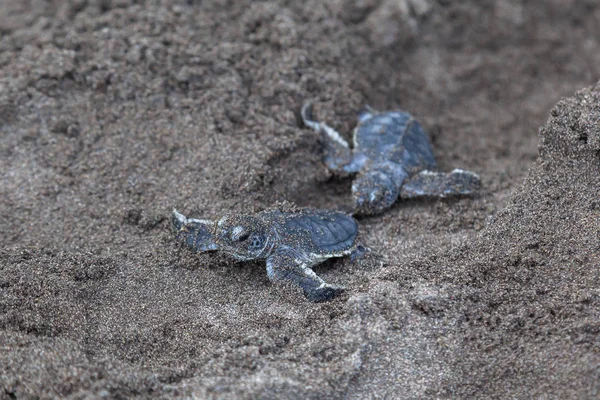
<point x="112" y="113"/>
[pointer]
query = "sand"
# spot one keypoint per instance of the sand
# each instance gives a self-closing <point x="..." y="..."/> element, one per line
<point x="114" y="112"/>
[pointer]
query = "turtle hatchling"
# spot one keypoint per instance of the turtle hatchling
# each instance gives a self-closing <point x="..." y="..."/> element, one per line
<point x="393" y="158"/>
<point x="291" y="242"/>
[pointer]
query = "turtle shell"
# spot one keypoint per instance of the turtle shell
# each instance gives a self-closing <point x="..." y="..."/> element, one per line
<point x="394" y="136"/>
<point x="330" y="232"/>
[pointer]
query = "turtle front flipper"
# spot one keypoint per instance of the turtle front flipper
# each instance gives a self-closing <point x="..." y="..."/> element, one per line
<point x="284" y="266"/>
<point x="440" y="184"/>
<point x="195" y="233"/>
<point x="339" y="158"/>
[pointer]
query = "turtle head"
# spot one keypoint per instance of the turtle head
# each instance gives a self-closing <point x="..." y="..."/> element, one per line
<point x="244" y="237"/>
<point x="374" y="192"/>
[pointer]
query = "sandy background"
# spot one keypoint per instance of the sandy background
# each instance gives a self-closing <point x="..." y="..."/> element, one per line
<point x="114" y="112"/>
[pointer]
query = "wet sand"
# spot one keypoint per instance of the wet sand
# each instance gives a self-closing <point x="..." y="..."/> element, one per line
<point x="112" y="113"/>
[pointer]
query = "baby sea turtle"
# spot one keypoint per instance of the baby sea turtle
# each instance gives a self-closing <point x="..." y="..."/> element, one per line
<point x="291" y="242"/>
<point x="393" y="158"/>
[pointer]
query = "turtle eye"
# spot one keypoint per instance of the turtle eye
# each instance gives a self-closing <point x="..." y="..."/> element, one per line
<point x="244" y="237"/>
<point x="239" y="234"/>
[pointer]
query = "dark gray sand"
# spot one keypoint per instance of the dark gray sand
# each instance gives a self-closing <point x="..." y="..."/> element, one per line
<point x="114" y="112"/>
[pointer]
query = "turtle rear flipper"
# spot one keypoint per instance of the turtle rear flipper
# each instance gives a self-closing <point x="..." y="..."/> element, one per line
<point x="440" y="184"/>
<point x="284" y="266"/>
<point x="195" y="233"/>
<point x="358" y="253"/>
